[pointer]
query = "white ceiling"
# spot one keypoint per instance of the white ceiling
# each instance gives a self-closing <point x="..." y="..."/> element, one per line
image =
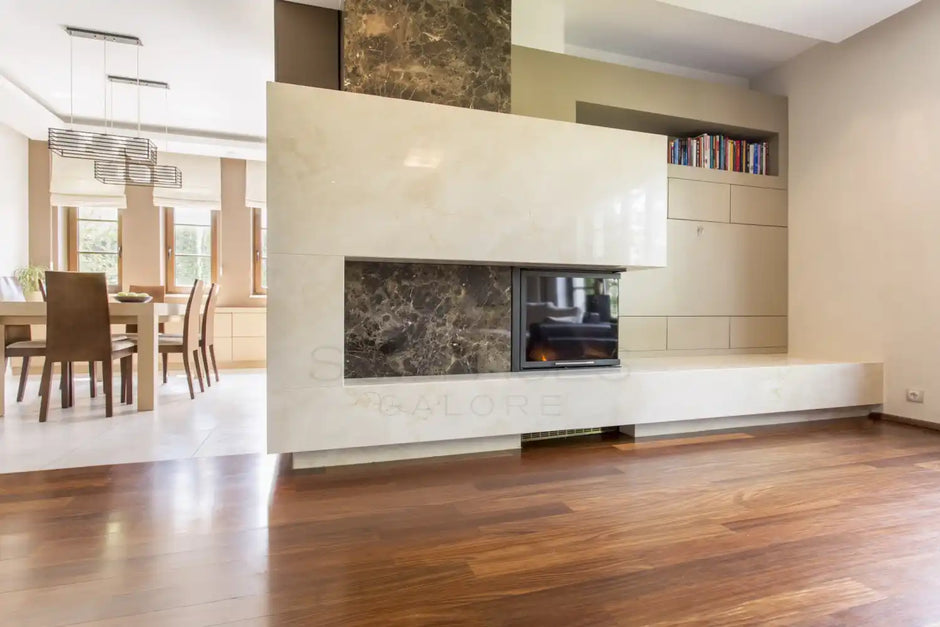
<point x="215" y="54"/>
<point x="660" y="32"/>
<point x="827" y="20"/>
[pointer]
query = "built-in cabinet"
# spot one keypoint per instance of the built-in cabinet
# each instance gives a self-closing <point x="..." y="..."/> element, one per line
<point x="240" y="337"/>
<point x="724" y="288"/>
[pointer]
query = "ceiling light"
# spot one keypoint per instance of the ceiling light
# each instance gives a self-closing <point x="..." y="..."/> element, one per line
<point x="100" y="146"/>
<point x="129" y="80"/>
<point x="114" y="38"/>
<point x="143" y="174"/>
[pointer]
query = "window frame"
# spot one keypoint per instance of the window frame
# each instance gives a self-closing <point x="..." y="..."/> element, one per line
<point x="258" y="288"/>
<point x="72" y="220"/>
<point x="169" y="249"/>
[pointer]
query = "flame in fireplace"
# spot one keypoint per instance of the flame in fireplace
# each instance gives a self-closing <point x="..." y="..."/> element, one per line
<point x="541" y="353"/>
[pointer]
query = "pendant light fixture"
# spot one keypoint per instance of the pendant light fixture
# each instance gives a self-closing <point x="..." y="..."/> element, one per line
<point x="141" y="174"/>
<point x="99" y="146"/>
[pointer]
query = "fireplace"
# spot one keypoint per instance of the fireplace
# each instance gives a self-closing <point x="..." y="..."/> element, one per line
<point x="564" y="319"/>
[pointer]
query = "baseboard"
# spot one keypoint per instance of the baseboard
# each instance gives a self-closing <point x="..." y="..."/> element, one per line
<point x="398" y="452"/>
<point x="740" y="422"/>
<point x="914" y="422"/>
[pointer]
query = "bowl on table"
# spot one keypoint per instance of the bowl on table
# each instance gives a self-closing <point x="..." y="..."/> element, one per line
<point x="132" y="297"/>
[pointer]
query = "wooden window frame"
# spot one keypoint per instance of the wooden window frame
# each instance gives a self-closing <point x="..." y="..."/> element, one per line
<point x="170" y="250"/>
<point x="257" y="288"/>
<point x="72" y="243"/>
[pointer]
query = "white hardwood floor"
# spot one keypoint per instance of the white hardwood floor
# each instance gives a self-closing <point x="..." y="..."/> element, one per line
<point x="228" y="419"/>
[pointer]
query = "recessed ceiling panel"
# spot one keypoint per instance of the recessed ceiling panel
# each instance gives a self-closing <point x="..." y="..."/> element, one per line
<point x="827" y="20"/>
<point x="653" y="30"/>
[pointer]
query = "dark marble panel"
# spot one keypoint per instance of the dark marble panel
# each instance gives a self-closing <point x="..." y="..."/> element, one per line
<point x="426" y="319"/>
<point x="453" y="52"/>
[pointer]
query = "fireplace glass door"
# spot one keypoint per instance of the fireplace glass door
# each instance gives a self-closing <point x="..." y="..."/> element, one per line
<point x="566" y="319"/>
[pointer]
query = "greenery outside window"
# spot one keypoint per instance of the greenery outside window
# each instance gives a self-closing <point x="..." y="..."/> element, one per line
<point x="192" y="249"/>
<point x="94" y="242"/>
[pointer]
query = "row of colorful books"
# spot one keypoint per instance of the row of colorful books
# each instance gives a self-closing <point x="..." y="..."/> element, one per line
<point x="718" y="152"/>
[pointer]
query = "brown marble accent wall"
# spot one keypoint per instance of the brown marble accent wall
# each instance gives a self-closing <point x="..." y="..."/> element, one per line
<point x="406" y="319"/>
<point x="453" y="52"/>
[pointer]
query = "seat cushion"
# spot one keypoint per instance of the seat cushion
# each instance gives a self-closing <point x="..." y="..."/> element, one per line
<point x="27" y="344"/>
<point x="171" y="340"/>
<point x="122" y="345"/>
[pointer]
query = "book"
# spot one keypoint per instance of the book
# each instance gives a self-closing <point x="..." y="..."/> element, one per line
<point x="718" y="152"/>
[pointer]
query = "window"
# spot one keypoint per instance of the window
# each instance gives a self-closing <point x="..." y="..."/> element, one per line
<point x="192" y="250"/>
<point x="259" y="227"/>
<point x="94" y="241"/>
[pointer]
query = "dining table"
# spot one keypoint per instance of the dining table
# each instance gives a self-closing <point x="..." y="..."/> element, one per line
<point x="146" y="316"/>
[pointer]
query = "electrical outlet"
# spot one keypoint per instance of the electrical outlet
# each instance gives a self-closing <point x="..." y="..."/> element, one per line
<point x="915" y="396"/>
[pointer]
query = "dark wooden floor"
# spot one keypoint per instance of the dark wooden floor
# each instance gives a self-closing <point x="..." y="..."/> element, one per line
<point x="835" y="524"/>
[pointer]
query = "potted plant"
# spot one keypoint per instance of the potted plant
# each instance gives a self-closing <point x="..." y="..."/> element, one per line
<point x="29" y="278"/>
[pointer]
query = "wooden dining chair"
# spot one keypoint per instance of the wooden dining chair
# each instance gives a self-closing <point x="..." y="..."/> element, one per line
<point x="187" y="344"/>
<point x="67" y="374"/>
<point x="157" y="293"/>
<point x="18" y="338"/>
<point x="207" y="339"/>
<point x="78" y="328"/>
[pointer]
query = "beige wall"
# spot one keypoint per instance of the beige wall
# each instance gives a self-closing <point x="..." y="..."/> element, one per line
<point x="864" y="217"/>
<point x="14" y="200"/>
<point x="724" y="289"/>
<point x="41" y="232"/>
<point x="235" y="239"/>
<point x="143" y="239"/>
<point x="550" y="85"/>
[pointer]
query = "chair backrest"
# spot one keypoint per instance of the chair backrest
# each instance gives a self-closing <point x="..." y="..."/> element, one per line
<point x="78" y="325"/>
<point x="191" y="319"/>
<point x="42" y="289"/>
<point x="10" y="291"/>
<point x="208" y="316"/>
<point x="157" y="292"/>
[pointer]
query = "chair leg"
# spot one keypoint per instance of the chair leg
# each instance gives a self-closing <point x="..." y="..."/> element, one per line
<point x="205" y="362"/>
<point x="92" y="379"/>
<point x="71" y="384"/>
<point x="123" y="369"/>
<point x="106" y="366"/>
<point x="202" y="388"/>
<point x="130" y="380"/>
<point x="166" y="359"/>
<point x="215" y="368"/>
<point x="189" y="376"/>
<point x="64" y="384"/>
<point x="24" y="373"/>
<point x="44" y="384"/>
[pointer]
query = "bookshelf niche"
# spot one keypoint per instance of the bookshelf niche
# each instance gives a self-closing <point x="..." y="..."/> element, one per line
<point x="677" y="128"/>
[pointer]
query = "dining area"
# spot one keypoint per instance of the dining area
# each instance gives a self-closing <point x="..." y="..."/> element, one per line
<point x="116" y="338"/>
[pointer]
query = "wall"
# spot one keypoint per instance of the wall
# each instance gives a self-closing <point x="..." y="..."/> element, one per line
<point x="864" y="133"/>
<point x="724" y="288"/>
<point x="42" y="234"/>
<point x="355" y="176"/>
<point x="306" y="45"/>
<point x="412" y="319"/>
<point x="14" y="200"/>
<point x="440" y="51"/>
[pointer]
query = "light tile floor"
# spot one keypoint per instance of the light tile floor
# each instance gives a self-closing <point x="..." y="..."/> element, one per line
<point x="228" y="419"/>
